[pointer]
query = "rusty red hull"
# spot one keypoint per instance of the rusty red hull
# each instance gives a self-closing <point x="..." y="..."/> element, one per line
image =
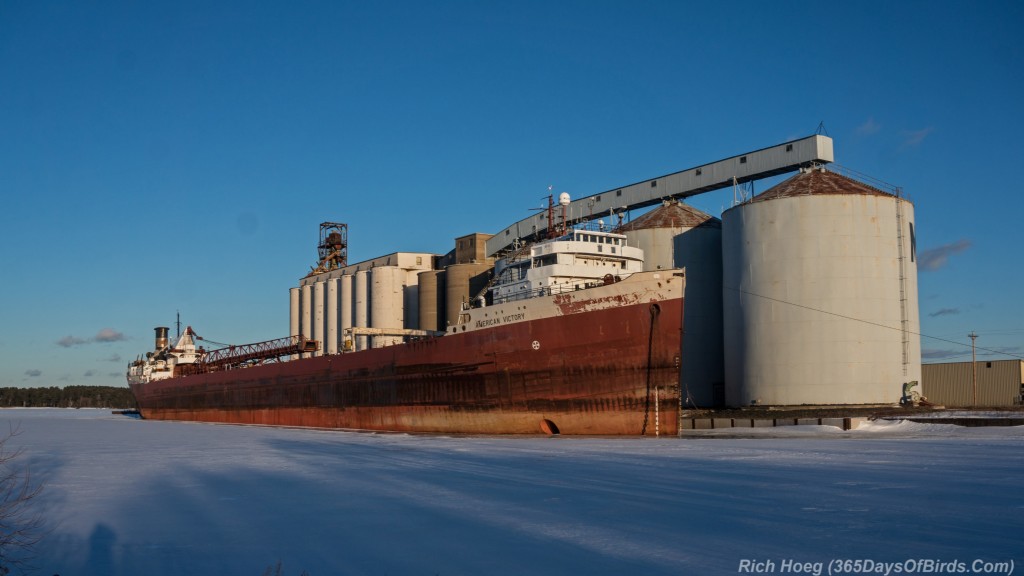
<point x="609" y="371"/>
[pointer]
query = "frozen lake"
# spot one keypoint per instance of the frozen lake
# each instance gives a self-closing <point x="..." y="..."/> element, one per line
<point x="130" y="497"/>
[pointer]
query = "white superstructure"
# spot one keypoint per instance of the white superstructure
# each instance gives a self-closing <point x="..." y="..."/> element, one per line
<point x="159" y="364"/>
<point x="578" y="259"/>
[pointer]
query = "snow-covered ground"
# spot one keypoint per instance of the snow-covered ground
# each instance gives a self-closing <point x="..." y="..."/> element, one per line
<point x="132" y="497"/>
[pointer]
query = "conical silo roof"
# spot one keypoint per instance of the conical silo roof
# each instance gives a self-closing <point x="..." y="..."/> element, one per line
<point x="672" y="214"/>
<point x="818" y="181"/>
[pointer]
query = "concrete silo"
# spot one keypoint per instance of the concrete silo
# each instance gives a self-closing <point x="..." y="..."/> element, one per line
<point x="820" y="294"/>
<point x="432" y="296"/>
<point x="676" y="235"/>
<point x="386" y="303"/>
<point x="462" y="283"/>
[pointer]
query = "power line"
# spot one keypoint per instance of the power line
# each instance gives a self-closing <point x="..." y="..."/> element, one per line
<point x="861" y="320"/>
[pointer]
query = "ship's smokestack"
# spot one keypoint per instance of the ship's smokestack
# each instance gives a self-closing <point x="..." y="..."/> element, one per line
<point x="161" y="337"/>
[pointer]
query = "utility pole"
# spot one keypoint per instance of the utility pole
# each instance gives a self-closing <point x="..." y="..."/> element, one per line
<point x="974" y="366"/>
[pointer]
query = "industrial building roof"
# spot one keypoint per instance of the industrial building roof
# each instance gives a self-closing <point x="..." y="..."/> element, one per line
<point x="672" y="214"/>
<point x="818" y="181"/>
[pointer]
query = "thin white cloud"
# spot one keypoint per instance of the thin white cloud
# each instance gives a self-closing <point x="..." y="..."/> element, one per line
<point x="914" y="138"/>
<point x="934" y="354"/>
<point x="935" y="258"/>
<point x="104" y="335"/>
<point x="868" y="128"/>
<point x="69" y="341"/>
<point x="109" y="335"/>
<point x="1000" y="351"/>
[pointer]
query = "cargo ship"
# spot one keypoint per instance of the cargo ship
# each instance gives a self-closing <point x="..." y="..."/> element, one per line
<point x="569" y="336"/>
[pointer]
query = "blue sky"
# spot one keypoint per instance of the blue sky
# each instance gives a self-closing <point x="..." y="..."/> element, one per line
<point x="165" y="156"/>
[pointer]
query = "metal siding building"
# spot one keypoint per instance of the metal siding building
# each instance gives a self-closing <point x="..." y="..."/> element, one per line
<point x="676" y="235"/>
<point x="1000" y="383"/>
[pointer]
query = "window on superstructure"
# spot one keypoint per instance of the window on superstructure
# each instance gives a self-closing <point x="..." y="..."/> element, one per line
<point x="544" y="261"/>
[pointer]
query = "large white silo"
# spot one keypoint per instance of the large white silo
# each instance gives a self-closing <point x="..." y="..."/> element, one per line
<point x="676" y="235"/>
<point x="319" y="314"/>
<point x="361" y="306"/>
<point x="387" y="303"/>
<point x="332" y="335"/>
<point x="306" y="312"/>
<point x="820" y="294"/>
<point x="347" y="304"/>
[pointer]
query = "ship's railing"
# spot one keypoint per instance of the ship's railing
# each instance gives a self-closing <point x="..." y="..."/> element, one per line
<point x="553" y="290"/>
<point x="598" y="225"/>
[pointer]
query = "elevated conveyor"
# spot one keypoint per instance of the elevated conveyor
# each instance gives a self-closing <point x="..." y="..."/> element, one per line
<point x="763" y="163"/>
<point x="258" y="353"/>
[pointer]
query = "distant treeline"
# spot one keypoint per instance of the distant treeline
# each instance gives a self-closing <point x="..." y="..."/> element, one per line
<point x="68" y="397"/>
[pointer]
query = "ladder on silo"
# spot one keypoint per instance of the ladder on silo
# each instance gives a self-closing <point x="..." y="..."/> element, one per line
<point x="901" y="264"/>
